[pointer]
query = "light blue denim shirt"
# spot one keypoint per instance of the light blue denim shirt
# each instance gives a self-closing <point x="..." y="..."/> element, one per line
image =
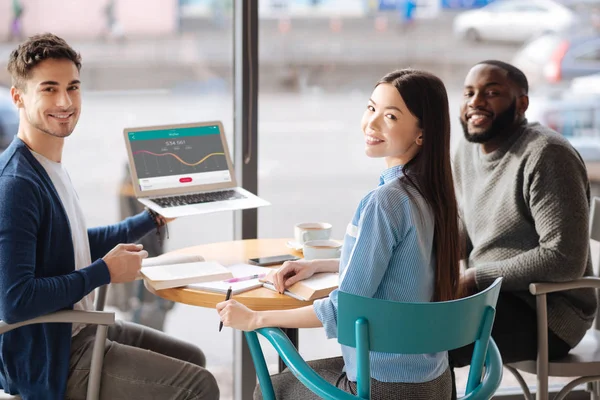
<point x="388" y="254"/>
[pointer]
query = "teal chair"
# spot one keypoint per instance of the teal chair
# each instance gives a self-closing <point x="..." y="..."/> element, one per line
<point x="367" y="325"/>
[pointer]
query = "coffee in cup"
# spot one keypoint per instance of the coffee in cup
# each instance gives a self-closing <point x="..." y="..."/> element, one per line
<point x="321" y="249"/>
<point x="306" y="231"/>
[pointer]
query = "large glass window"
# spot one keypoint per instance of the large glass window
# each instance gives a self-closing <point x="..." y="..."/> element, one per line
<point x="171" y="61"/>
<point x="319" y="62"/>
<point x="144" y="63"/>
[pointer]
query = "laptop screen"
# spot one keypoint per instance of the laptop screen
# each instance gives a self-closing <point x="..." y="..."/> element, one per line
<point x="179" y="157"/>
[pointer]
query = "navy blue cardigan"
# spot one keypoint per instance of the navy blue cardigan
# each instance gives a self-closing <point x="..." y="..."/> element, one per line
<point x="38" y="276"/>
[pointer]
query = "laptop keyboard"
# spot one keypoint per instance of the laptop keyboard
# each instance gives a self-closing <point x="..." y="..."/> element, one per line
<point x="198" y="198"/>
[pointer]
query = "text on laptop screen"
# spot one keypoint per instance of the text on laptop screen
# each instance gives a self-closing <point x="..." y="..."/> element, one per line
<point x="179" y="157"/>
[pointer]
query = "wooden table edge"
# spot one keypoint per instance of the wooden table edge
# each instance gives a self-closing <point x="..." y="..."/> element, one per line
<point x="259" y="299"/>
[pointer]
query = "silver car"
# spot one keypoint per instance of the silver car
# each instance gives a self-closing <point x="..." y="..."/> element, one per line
<point x="514" y="20"/>
<point x="575" y="115"/>
<point x="557" y="59"/>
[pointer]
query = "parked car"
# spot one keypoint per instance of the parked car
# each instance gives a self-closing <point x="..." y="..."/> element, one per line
<point x="555" y="59"/>
<point x="9" y="118"/>
<point x="514" y="20"/>
<point x="577" y="117"/>
<point x="573" y="114"/>
<point x="589" y="84"/>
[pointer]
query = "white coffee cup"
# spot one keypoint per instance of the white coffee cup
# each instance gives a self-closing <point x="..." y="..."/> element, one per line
<point x="312" y="231"/>
<point x="321" y="249"/>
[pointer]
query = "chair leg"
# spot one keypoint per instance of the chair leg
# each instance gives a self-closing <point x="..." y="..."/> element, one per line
<point x="573" y="384"/>
<point x="542" y="351"/>
<point x="101" y="298"/>
<point x="93" y="389"/>
<point x="594" y="389"/>
<point x="519" y="378"/>
<point x="264" y="379"/>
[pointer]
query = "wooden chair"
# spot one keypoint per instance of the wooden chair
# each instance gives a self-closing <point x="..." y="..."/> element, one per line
<point x="582" y="362"/>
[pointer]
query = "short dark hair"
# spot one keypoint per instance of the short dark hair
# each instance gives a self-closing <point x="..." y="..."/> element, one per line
<point x="33" y="51"/>
<point x="514" y="74"/>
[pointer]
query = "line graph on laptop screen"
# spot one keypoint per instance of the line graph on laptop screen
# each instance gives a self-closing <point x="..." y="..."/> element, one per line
<point x="179" y="157"/>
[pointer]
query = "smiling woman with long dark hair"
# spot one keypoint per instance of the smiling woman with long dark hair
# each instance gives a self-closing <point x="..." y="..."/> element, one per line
<point x="401" y="244"/>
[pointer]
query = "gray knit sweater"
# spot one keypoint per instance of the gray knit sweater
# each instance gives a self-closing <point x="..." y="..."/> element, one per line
<point x="525" y="210"/>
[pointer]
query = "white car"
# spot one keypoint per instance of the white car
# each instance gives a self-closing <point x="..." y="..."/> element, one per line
<point x="589" y="84"/>
<point x="514" y="20"/>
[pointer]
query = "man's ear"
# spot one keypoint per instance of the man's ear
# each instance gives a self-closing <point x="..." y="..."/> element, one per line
<point x="17" y="96"/>
<point x="522" y="104"/>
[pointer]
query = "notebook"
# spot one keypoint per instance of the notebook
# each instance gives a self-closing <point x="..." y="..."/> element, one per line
<point x="238" y="271"/>
<point x="317" y="286"/>
<point x="185" y="169"/>
<point x="182" y="274"/>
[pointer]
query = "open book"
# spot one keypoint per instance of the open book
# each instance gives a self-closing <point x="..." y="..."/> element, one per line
<point x="167" y="259"/>
<point x="240" y="271"/>
<point x="317" y="286"/>
<point x="181" y="270"/>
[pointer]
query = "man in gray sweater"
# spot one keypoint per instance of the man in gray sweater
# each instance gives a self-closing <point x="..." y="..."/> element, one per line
<point x="523" y="193"/>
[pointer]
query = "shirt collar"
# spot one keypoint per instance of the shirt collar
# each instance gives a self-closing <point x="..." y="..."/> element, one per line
<point x="390" y="174"/>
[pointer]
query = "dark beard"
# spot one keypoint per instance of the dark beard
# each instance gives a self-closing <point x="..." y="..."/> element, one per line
<point x="500" y="124"/>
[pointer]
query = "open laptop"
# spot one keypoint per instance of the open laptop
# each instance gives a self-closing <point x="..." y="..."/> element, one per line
<point x="185" y="169"/>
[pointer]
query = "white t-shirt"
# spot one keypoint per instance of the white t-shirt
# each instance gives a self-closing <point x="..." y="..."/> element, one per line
<point x="81" y="245"/>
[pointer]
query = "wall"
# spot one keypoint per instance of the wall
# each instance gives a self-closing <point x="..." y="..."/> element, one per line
<point x="85" y="19"/>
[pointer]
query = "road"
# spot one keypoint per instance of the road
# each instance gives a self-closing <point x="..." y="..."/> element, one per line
<point x="309" y="52"/>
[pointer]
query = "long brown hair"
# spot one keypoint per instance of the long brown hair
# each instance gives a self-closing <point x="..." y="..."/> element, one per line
<point x="430" y="173"/>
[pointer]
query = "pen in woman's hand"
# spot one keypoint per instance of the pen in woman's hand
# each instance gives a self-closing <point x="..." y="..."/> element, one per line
<point x="227" y="297"/>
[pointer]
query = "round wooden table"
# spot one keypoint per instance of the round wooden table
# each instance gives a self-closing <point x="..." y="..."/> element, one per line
<point x="236" y="252"/>
<point x="229" y="253"/>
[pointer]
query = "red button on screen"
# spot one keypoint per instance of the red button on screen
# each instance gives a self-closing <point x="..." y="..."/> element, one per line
<point x="185" y="180"/>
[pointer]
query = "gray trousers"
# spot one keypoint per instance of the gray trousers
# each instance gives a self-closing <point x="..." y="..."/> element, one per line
<point x="287" y="387"/>
<point x="141" y="363"/>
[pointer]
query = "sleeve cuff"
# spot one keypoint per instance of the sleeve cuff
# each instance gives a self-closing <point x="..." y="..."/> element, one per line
<point x="484" y="277"/>
<point x="139" y="225"/>
<point x="96" y="275"/>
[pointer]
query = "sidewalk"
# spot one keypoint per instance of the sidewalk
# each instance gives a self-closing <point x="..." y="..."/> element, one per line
<point x="288" y="49"/>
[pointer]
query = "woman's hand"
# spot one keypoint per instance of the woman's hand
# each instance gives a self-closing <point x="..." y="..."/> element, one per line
<point x="237" y="315"/>
<point x="292" y="272"/>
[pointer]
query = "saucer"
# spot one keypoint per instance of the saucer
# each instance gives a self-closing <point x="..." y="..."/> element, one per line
<point x="294" y="245"/>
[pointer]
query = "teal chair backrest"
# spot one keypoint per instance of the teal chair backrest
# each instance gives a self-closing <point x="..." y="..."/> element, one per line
<point x="410" y="328"/>
<point x="369" y="324"/>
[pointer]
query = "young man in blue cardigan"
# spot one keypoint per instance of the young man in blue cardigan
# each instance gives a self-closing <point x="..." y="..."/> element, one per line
<point x="50" y="261"/>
